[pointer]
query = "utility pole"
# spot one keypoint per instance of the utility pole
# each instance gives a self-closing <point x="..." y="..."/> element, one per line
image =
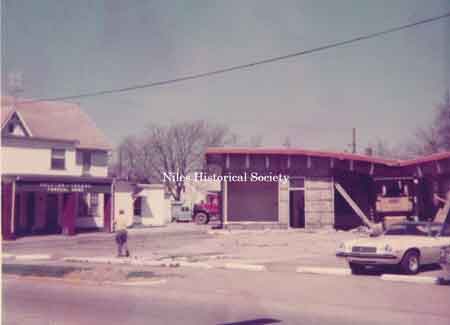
<point x="354" y="140"/>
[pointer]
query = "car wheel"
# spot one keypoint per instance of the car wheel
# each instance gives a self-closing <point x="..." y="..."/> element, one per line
<point x="356" y="268"/>
<point x="201" y="218"/>
<point x="411" y="262"/>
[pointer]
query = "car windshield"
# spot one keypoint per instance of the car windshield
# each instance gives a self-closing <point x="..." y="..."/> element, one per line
<point x="412" y="229"/>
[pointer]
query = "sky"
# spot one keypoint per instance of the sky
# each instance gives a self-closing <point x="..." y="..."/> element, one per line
<point x="385" y="87"/>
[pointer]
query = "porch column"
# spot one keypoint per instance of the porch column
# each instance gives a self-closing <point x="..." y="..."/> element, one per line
<point x="107" y="209"/>
<point x="224" y="185"/>
<point x="69" y="214"/>
<point x="7" y="211"/>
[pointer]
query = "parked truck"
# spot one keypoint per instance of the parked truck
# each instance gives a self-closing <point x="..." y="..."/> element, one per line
<point x="208" y="210"/>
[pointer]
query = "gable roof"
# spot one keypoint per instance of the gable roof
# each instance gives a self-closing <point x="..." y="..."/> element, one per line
<point x="10" y="115"/>
<point x="327" y="154"/>
<point x="55" y="120"/>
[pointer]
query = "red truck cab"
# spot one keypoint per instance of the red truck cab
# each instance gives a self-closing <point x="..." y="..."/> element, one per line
<point x="208" y="210"/>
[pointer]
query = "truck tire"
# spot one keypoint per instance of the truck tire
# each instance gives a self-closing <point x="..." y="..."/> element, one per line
<point x="201" y="218"/>
<point x="410" y="263"/>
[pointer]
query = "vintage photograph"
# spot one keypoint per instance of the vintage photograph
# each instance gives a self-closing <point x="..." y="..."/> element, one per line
<point x="225" y="162"/>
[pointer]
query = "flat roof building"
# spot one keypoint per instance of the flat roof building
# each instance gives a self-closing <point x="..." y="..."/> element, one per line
<point x="322" y="188"/>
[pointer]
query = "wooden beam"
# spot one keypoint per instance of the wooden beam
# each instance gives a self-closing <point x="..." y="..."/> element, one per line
<point x="247" y="161"/>
<point x="227" y="161"/>
<point x="353" y="204"/>
<point x="267" y="162"/>
<point x="352" y="165"/>
<point x="331" y="162"/>
<point x="372" y="169"/>
<point x="308" y="162"/>
<point x="288" y="162"/>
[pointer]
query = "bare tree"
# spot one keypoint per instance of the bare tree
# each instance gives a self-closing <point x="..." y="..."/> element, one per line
<point x="255" y="141"/>
<point x="382" y="148"/>
<point x="436" y="136"/>
<point x="127" y="162"/>
<point x="169" y="153"/>
<point x="443" y="123"/>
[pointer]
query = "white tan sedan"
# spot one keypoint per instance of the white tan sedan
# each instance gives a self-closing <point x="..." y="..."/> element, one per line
<point x="409" y="245"/>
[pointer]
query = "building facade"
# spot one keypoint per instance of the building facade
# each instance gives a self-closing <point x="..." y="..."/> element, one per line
<point x="141" y="204"/>
<point x="54" y="170"/>
<point x="308" y="189"/>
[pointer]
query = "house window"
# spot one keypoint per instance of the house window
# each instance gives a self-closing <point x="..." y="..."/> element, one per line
<point x="88" y="205"/>
<point x="58" y="159"/>
<point x="137" y="206"/>
<point x="11" y="128"/>
<point x="87" y="160"/>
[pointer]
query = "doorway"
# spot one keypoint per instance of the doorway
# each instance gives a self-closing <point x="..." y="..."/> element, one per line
<point x="52" y="225"/>
<point x="297" y="209"/>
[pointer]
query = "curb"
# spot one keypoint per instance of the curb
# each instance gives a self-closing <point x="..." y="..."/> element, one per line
<point x="32" y="257"/>
<point x="413" y="279"/>
<point x="88" y="282"/>
<point x="247" y="267"/>
<point x="102" y="260"/>
<point x="139" y="283"/>
<point x="120" y="261"/>
<point x="196" y="265"/>
<point x="324" y="270"/>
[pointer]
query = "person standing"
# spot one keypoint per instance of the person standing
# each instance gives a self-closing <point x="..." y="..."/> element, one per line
<point x="122" y="237"/>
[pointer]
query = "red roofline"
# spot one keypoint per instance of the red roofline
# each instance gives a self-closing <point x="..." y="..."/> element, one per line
<point x="426" y="159"/>
<point x="326" y="154"/>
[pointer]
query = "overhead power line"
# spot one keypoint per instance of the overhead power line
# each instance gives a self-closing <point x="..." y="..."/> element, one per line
<point x="242" y="66"/>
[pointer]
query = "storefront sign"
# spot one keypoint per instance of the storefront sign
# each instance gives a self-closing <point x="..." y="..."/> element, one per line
<point x="63" y="187"/>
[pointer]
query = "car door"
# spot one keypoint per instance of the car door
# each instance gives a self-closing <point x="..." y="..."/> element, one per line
<point x="433" y="244"/>
<point x="426" y="245"/>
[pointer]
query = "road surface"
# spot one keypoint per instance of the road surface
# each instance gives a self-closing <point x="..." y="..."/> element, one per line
<point x="193" y="296"/>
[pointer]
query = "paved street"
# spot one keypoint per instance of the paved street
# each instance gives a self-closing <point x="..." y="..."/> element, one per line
<point x="192" y="296"/>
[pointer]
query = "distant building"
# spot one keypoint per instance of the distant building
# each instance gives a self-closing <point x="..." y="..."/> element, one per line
<point x="141" y="204"/>
<point x="325" y="188"/>
<point x="54" y="170"/>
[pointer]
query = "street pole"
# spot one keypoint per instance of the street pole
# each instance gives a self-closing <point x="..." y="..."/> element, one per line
<point x="354" y="141"/>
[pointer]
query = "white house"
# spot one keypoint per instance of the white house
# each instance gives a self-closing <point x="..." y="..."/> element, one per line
<point x="54" y="169"/>
<point x="141" y="204"/>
